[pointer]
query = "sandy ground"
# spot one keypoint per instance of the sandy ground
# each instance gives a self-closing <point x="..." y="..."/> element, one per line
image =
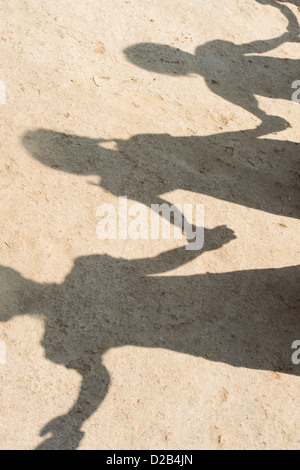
<point x="141" y="344"/>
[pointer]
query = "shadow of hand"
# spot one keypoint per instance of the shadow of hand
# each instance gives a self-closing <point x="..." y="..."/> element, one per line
<point x="65" y="432"/>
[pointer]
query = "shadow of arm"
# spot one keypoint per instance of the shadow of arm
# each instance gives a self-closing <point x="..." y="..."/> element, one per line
<point x="292" y="34"/>
<point x="169" y="260"/>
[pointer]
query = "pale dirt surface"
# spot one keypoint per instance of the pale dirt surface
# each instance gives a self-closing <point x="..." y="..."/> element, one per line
<point x="196" y="346"/>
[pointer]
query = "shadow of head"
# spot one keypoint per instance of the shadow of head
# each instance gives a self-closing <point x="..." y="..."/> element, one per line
<point x="160" y="58"/>
<point x="65" y="152"/>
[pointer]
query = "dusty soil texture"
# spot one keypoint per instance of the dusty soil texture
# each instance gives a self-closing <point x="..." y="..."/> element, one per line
<point x="142" y="344"/>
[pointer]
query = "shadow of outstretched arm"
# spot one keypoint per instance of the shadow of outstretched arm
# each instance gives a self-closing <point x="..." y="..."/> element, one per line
<point x="65" y="430"/>
<point x="167" y="261"/>
<point x="292" y="34"/>
<point x="18" y="295"/>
